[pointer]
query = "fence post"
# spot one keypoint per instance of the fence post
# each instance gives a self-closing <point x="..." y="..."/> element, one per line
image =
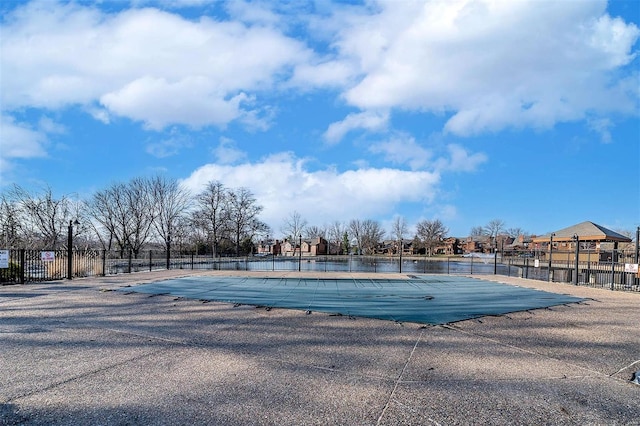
<point x="150" y="260"/>
<point x="637" y="244"/>
<point x="613" y="267"/>
<point x="495" y="262"/>
<point x="69" y="251"/>
<point x="550" y="272"/>
<point x="104" y="262"/>
<point x="22" y="266"/>
<point x="576" y="238"/>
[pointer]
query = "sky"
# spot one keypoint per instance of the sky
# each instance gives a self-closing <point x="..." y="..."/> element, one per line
<point x="464" y="111"/>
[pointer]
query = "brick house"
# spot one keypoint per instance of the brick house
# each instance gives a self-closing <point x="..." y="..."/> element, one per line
<point x="266" y="247"/>
<point x="448" y="247"/>
<point x="310" y="247"/>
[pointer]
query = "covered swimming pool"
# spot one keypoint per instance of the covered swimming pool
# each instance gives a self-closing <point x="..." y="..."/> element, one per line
<point x="425" y="299"/>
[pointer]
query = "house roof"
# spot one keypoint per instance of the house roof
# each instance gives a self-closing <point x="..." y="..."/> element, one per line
<point x="586" y="231"/>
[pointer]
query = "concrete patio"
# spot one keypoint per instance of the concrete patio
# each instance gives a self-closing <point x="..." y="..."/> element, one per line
<point x="78" y="352"/>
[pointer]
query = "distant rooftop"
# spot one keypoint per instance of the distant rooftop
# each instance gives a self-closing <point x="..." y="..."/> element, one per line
<point x="586" y="231"/>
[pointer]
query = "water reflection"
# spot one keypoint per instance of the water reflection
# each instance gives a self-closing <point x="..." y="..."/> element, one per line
<point x="326" y="264"/>
<point x="356" y="264"/>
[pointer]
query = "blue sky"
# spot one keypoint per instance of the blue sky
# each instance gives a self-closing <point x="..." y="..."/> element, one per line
<point x="463" y="111"/>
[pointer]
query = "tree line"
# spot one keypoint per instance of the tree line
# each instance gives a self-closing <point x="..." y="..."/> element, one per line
<point x="157" y="212"/>
<point x="131" y="216"/>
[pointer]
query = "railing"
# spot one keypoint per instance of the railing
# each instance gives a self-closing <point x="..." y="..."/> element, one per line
<point x="49" y="265"/>
<point x="615" y="272"/>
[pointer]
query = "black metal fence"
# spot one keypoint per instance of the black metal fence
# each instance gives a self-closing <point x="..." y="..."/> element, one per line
<point x="615" y="270"/>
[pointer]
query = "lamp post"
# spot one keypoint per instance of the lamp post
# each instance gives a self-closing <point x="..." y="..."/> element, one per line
<point x="550" y="255"/>
<point x="300" y="254"/>
<point x="495" y="256"/>
<point x="70" y="248"/>
<point x="577" y="242"/>
<point x="400" y="249"/>
<point x="637" y="244"/>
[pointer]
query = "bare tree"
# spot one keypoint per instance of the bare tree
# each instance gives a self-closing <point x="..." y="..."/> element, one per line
<point x="170" y="201"/>
<point x="367" y="234"/>
<point x="123" y="212"/>
<point x="431" y="232"/>
<point x="294" y="225"/>
<point x="493" y="229"/>
<point x="140" y="213"/>
<point x="312" y="232"/>
<point x="199" y="231"/>
<point x="256" y="229"/>
<point x="371" y="235"/>
<point x="212" y="214"/>
<point x="46" y="217"/>
<point x="398" y="231"/>
<point x="399" y="228"/>
<point x="183" y="235"/>
<point x="10" y="227"/>
<point x="335" y="235"/>
<point x="476" y="231"/>
<point x="102" y="213"/>
<point x="243" y="214"/>
<point x="355" y="231"/>
<point x="515" y="232"/>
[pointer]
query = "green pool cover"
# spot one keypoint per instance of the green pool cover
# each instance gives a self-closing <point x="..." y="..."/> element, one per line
<point x="425" y="299"/>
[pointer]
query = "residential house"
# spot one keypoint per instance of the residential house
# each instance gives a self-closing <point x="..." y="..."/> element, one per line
<point x="314" y="247"/>
<point x="476" y="244"/>
<point x="309" y="247"/>
<point x="447" y="247"/>
<point x="269" y="247"/>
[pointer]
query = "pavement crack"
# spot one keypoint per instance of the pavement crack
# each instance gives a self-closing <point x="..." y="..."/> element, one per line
<point x="624" y="368"/>
<point x="81" y="376"/>
<point x="529" y="351"/>
<point x="399" y="378"/>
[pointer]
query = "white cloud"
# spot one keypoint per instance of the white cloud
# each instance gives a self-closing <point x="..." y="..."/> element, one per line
<point x="282" y="183"/>
<point x="158" y="103"/>
<point x="144" y="64"/>
<point x="169" y="146"/>
<point x="47" y="125"/>
<point x="602" y="126"/>
<point x="19" y="140"/>
<point x="99" y="114"/>
<point x="227" y="152"/>
<point x="254" y="12"/>
<point x="460" y="160"/>
<point x="403" y="149"/>
<point x="368" y="120"/>
<point x="492" y="64"/>
<point x="172" y="4"/>
<point x="331" y="74"/>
